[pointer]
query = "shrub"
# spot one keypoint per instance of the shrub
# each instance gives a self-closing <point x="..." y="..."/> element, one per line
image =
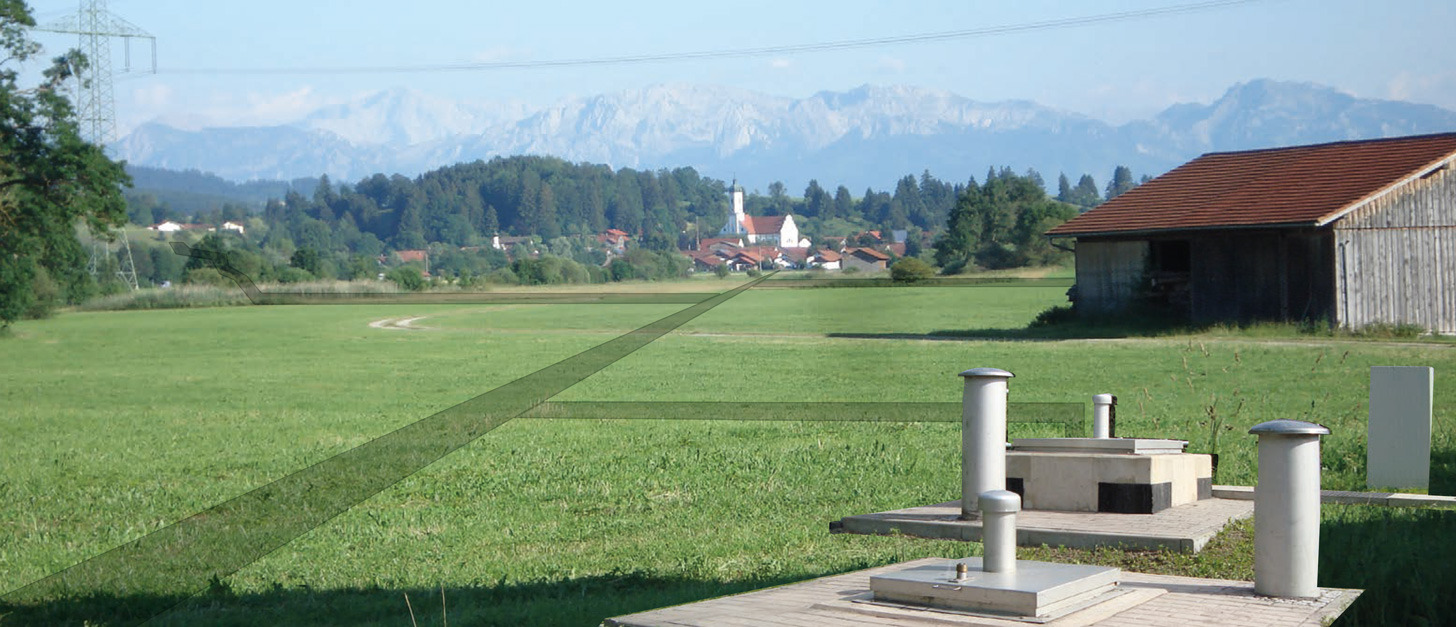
<point x="910" y="270"/>
<point x="503" y="276"/>
<point x="407" y="277"/>
<point x="1054" y="315"/>
<point x="753" y="273"/>
<point x="294" y="275"/>
<point x="721" y="271"/>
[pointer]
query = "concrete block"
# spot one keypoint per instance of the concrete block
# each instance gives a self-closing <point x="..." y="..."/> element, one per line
<point x="1398" y="451"/>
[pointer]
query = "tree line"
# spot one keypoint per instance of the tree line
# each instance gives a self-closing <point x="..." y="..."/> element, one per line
<point x="455" y="213"/>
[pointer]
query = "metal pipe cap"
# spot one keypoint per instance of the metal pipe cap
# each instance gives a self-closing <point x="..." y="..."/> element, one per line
<point x="1000" y="502"/>
<point x="987" y="372"/>
<point x="1289" y="427"/>
<point x="1104" y="399"/>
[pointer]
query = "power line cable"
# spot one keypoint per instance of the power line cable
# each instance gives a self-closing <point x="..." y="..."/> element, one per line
<point x="1060" y="23"/>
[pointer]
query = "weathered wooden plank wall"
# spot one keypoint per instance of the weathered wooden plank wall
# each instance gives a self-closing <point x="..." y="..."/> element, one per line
<point x="1396" y="261"/>
<point x="1108" y="274"/>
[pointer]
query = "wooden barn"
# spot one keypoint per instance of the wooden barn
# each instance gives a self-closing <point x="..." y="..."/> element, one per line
<point x="1356" y="233"/>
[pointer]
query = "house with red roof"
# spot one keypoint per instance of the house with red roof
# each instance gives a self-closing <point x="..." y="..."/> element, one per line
<point x="614" y="241"/>
<point x="1354" y="232"/>
<point x="705" y="260"/>
<point x="826" y="259"/>
<point x="865" y="260"/>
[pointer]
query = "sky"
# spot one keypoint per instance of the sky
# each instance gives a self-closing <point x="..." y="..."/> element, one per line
<point x="1116" y="71"/>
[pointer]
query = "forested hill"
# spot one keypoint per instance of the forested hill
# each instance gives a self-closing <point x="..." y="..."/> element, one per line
<point x="464" y="205"/>
<point x="191" y="191"/>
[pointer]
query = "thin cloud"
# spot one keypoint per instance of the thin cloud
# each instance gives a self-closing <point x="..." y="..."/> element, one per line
<point x="894" y="65"/>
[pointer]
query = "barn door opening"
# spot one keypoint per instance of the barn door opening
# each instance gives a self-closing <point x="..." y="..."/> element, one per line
<point x="1170" y="268"/>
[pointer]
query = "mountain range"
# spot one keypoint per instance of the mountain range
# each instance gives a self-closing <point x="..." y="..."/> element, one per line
<point x="869" y="136"/>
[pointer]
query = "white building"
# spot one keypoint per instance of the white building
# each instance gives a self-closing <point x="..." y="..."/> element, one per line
<point x="763" y="230"/>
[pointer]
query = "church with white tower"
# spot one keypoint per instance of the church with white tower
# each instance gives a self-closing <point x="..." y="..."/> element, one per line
<point x="761" y="230"/>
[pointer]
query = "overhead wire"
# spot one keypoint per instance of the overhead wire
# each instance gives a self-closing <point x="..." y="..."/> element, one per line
<point x="849" y="44"/>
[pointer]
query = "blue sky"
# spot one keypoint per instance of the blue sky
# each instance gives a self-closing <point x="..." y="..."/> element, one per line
<point x="1114" y="71"/>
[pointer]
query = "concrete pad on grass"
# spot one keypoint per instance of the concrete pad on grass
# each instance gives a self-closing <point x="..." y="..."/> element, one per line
<point x="1186" y="528"/>
<point x="1148" y="601"/>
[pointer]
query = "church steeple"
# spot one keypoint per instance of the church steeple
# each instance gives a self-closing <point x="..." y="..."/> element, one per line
<point x="735" y="224"/>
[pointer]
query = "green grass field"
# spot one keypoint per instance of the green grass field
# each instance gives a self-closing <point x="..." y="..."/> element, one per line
<point x="114" y="424"/>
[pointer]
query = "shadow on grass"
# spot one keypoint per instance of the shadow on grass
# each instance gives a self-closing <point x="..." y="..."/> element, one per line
<point x="1405" y="560"/>
<point x="1078" y="330"/>
<point x="1443" y="472"/>
<point x="570" y="601"/>
<point x="1061" y="323"/>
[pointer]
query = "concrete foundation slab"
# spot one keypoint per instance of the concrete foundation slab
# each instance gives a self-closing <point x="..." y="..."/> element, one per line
<point x="1147" y="601"/>
<point x="1034" y="589"/>
<point x="1186" y="528"/>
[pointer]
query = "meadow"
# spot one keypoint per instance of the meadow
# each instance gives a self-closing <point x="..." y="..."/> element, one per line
<point x="114" y="424"/>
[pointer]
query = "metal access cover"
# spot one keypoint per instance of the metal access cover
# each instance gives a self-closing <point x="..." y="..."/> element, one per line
<point x="1035" y="589"/>
<point x="1290" y="427"/>
<point x="1111" y="446"/>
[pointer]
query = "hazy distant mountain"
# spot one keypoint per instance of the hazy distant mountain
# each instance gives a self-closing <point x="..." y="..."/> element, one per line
<point x="1265" y="113"/>
<point x="868" y="136"/>
<point x="402" y="117"/>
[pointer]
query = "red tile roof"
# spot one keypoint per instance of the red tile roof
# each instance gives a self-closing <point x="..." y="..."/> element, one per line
<point x="868" y="252"/>
<point x="796" y="255"/>
<point x="714" y="241"/>
<point x="763" y="225"/>
<point x="412" y="255"/>
<point x="828" y="256"/>
<point x="1300" y="186"/>
<point x="705" y="257"/>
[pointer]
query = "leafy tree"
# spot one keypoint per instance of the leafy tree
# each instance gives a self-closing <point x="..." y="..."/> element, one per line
<point x="49" y="178"/>
<point x="914" y="244"/>
<point x="490" y="227"/>
<point x="962" y="237"/>
<point x="843" y="203"/>
<point x="815" y="199"/>
<point x="1120" y="183"/>
<point x="306" y="259"/>
<point x="1000" y="224"/>
<point x="778" y="198"/>
<point x="1086" y="193"/>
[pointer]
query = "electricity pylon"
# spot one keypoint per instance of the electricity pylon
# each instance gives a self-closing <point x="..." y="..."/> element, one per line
<point x="96" y="100"/>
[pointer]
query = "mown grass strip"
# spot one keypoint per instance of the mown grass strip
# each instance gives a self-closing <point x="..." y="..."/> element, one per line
<point x="1070" y="415"/>
<point x="484" y="298"/>
<point x="137" y="581"/>
<point x="833" y="282"/>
